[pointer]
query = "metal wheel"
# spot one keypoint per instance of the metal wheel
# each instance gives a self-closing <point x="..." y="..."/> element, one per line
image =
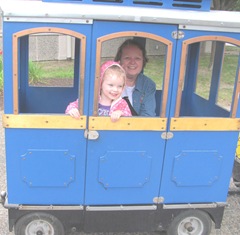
<point x="191" y="222"/>
<point x="38" y="224"/>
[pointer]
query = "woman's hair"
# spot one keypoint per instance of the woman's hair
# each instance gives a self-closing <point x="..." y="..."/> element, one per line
<point x="131" y="42"/>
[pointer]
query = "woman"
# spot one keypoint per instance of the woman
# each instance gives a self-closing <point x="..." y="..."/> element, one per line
<point x="139" y="88"/>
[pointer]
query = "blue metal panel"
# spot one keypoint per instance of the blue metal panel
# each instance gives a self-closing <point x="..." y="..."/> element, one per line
<point x="198" y="167"/>
<point x="191" y="75"/>
<point x="35" y="170"/>
<point x="202" y="5"/>
<point x="198" y="164"/>
<point x="7" y="63"/>
<point x="195" y="161"/>
<point x="117" y="169"/>
<point x="45" y="166"/>
<point x="124" y="168"/>
<point x="48" y="99"/>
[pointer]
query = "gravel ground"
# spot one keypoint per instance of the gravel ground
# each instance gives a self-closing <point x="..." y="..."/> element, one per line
<point x="230" y="224"/>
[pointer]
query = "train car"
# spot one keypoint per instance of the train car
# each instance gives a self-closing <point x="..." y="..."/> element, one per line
<point x="168" y="172"/>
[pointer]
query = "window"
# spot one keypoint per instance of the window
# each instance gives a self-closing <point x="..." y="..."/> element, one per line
<point x="49" y="65"/>
<point x="211" y="71"/>
<point x="158" y="52"/>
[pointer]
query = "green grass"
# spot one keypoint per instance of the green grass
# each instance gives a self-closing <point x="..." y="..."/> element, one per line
<point x="155" y="70"/>
<point x="58" y="69"/>
<point x="228" y="75"/>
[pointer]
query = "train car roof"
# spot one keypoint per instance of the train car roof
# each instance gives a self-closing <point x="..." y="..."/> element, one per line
<point x="38" y="11"/>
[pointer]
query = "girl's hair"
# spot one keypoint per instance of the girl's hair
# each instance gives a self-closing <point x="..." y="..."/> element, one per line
<point x="131" y="42"/>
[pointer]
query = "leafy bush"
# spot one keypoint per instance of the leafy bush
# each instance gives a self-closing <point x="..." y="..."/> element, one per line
<point x="35" y="72"/>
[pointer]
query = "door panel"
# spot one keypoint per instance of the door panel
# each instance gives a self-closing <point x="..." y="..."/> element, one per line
<point x="204" y="124"/>
<point x="46" y="151"/>
<point x="45" y="166"/>
<point x="124" y="165"/>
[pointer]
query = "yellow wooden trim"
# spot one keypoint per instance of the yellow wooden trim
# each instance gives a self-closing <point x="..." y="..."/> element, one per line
<point x="166" y="80"/>
<point x="236" y="95"/>
<point x="15" y="74"/>
<point x="133" y="34"/>
<point x="128" y="124"/>
<point x="212" y="38"/>
<point x="205" y="124"/>
<point x="82" y="73"/>
<point x="43" y="121"/>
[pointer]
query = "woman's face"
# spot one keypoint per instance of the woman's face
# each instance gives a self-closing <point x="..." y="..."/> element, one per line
<point x="132" y="61"/>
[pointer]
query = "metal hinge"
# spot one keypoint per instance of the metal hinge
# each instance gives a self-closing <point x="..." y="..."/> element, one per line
<point x="91" y="135"/>
<point x="177" y="34"/>
<point x="158" y="200"/>
<point x="167" y="135"/>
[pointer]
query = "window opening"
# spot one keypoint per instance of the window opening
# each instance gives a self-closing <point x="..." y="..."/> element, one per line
<point x="156" y="52"/>
<point x="49" y="68"/>
<point x="211" y="73"/>
<point x="155" y="68"/>
<point x="51" y="60"/>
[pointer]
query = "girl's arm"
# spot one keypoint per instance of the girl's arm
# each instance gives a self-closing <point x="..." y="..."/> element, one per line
<point x="72" y="109"/>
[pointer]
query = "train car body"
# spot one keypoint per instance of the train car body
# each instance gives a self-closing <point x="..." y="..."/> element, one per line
<point x="169" y="172"/>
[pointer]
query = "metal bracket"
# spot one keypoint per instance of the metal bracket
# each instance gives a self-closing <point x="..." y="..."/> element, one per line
<point x="167" y="135"/>
<point x="158" y="200"/>
<point x="178" y="34"/>
<point x="91" y="135"/>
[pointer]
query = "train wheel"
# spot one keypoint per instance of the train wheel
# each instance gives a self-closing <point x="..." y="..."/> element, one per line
<point x="191" y="222"/>
<point x="38" y="224"/>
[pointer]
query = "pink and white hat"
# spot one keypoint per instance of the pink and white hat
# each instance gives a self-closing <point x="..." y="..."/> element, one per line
<point x="103" y="69"/>
<point x="107" y="65"/>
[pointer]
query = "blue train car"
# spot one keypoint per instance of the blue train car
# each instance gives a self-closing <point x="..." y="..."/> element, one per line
<point x="168" y="172"/>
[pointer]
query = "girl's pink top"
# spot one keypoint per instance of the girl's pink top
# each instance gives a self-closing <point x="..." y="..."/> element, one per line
<point x="119" y="104"/>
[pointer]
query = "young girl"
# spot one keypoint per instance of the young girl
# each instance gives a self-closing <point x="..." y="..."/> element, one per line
<point x="112" y="82"/>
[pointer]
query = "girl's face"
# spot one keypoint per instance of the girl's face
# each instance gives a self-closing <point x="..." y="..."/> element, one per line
<point x="112" y="86"/>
